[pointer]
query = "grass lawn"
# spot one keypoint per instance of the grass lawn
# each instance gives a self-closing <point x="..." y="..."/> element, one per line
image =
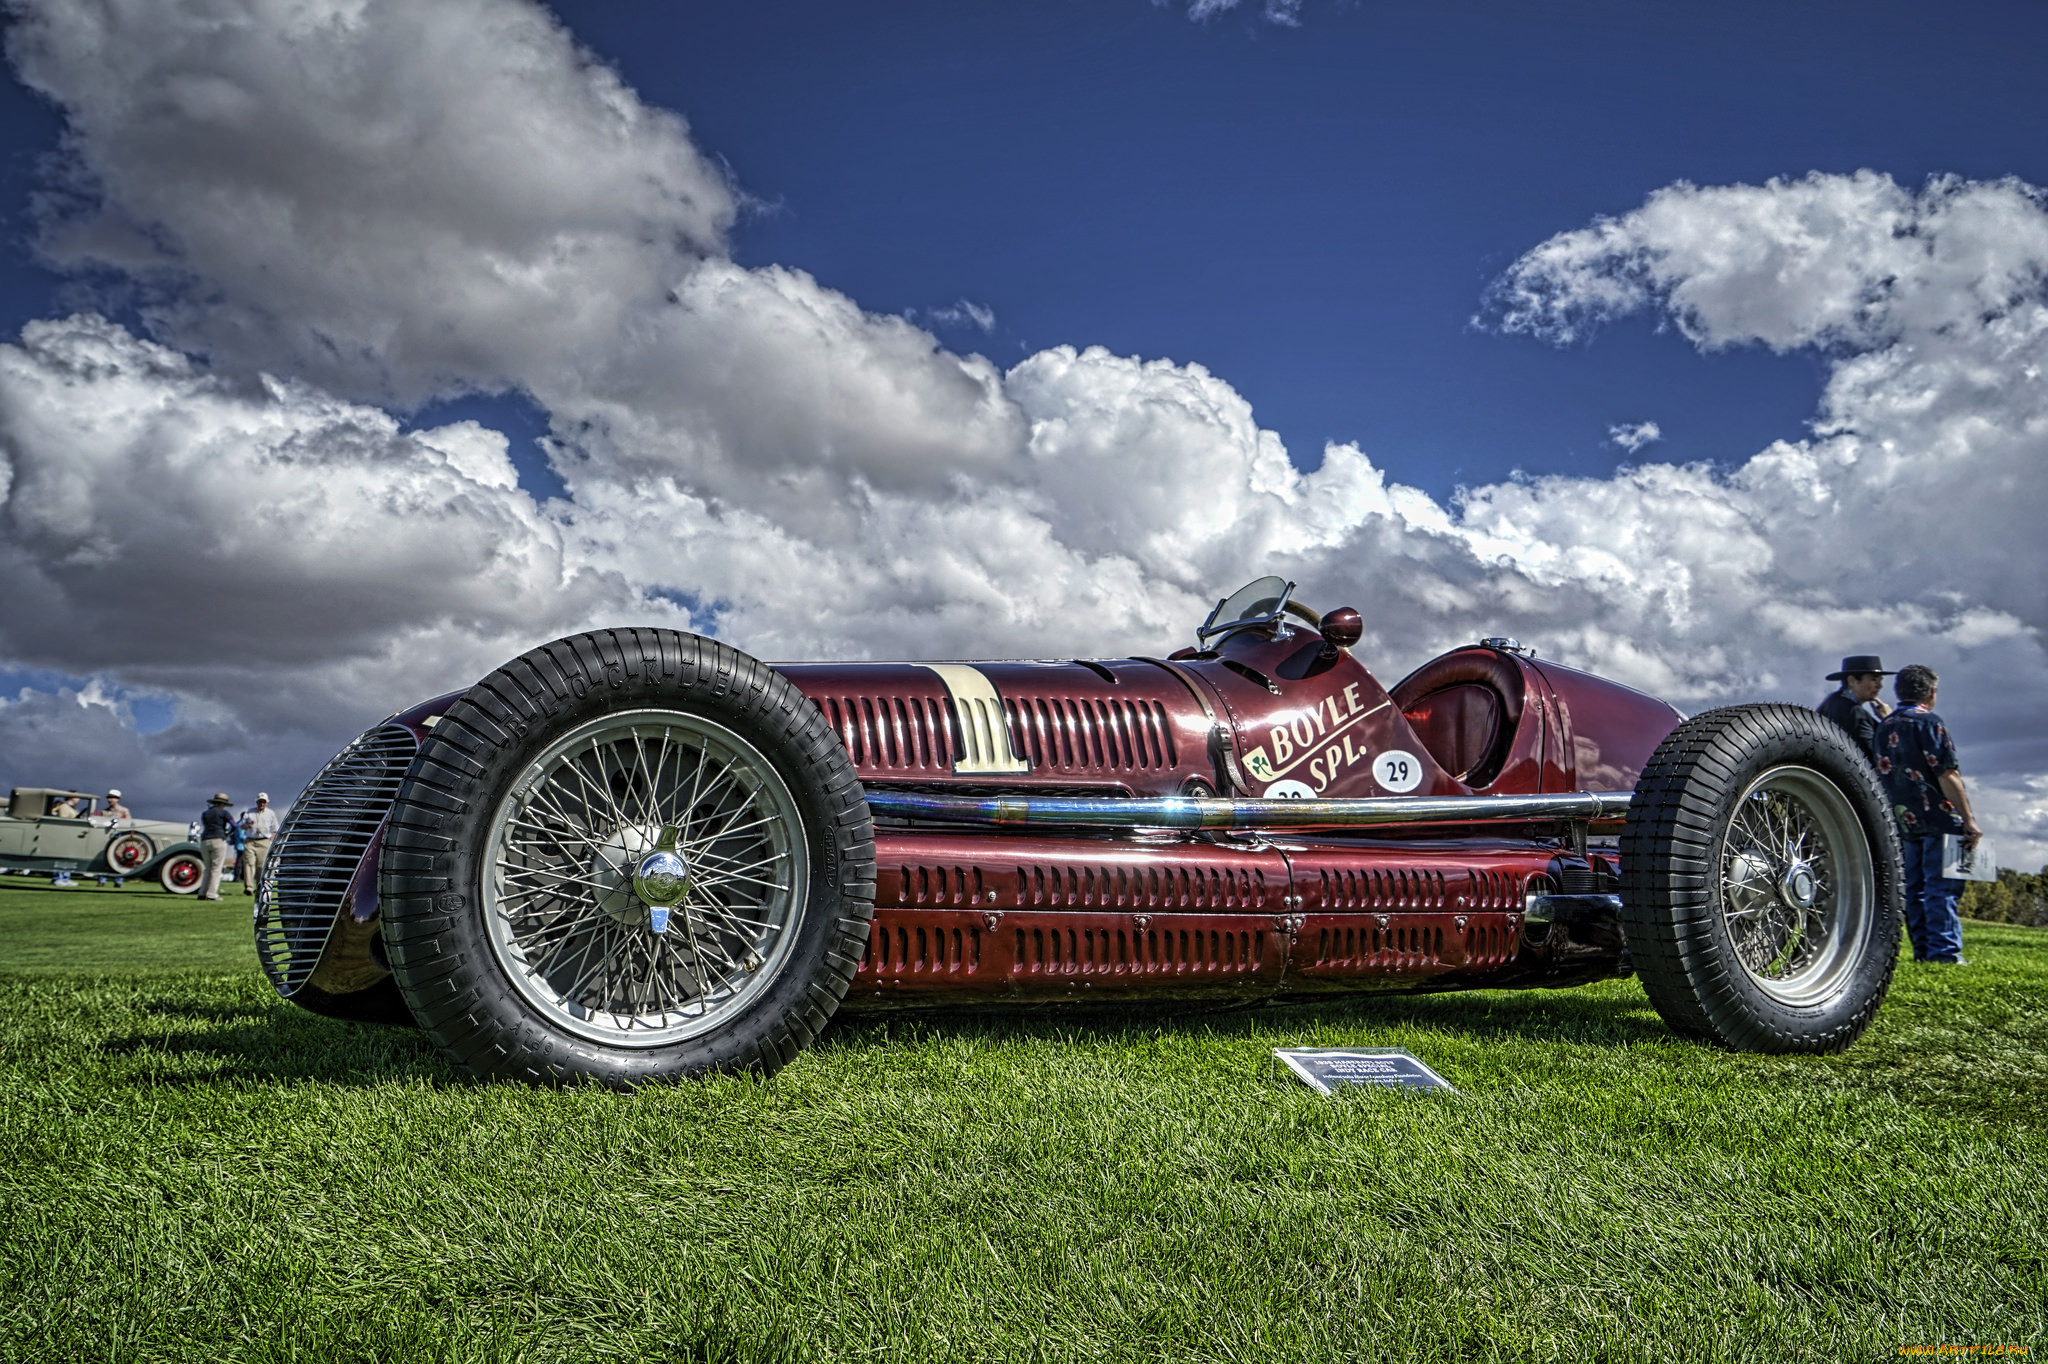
<point x="140" y="929"/>
<point x="192" y="1170"/>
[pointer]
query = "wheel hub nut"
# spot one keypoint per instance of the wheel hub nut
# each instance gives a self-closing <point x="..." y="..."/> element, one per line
<point x="661" y="880"/>
<point x="1799" y="887"/>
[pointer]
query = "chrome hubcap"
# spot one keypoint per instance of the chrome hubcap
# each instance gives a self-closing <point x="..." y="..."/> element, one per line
<point x="1798" y="889"/>
<point x="661" y="881"/>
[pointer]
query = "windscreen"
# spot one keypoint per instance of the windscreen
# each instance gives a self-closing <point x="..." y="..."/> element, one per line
<point x="1258" y="600"/>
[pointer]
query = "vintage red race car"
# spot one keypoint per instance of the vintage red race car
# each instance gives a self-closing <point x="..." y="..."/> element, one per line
<point x="635" y="853"/>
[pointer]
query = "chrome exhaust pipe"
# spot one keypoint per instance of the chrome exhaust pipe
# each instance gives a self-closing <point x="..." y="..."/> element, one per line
<point x="1180" y="812"/>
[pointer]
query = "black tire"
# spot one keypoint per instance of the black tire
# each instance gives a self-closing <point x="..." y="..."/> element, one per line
<point x="485" y="885"/>
<point x="1761" y="881"/>
<point x="182" y="873"/>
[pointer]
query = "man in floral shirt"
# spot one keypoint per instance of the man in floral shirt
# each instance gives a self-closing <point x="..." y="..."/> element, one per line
<point x="1917" y="761"/>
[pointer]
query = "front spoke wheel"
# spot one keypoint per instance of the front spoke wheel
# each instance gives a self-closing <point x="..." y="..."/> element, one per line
<point x="643" y="878"/>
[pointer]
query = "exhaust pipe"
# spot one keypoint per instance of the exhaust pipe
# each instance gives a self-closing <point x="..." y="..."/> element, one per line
<point x="1180" y="812"/>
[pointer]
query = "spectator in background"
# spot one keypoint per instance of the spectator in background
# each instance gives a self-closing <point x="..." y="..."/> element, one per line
<point x="237" y="840"/>
<point x="216" y="826"/>
<point x="1855" y="705"/>
<point x="1917" y="761"/>
<point x="115" y="809"/>
<point x="259" y="826"/>
<point x="64" y="808"/>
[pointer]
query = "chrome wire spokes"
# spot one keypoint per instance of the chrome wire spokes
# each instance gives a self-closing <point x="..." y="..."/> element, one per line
<point x="644" y="878"/>
<point x="1797" y="890"/>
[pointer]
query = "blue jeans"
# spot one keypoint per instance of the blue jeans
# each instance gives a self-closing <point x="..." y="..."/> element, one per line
<point x="1931" y="919"/>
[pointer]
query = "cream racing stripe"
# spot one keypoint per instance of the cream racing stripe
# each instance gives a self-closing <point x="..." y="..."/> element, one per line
<point x="987" y="750"/>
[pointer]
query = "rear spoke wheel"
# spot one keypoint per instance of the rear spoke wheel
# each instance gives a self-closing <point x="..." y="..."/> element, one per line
<point x="1761" y="881"/>
<point x="1797" y="892"/>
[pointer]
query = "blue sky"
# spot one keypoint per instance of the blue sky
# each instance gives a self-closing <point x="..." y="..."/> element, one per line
<point x="1313" y="212"/>
<point x="353" y="261"/>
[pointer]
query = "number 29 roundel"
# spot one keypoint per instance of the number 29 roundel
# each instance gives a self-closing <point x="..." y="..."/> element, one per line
<point x="1397" y="771"/>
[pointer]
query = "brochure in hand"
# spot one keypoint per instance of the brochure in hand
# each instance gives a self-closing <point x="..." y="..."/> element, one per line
<point x="1968" y="864"/>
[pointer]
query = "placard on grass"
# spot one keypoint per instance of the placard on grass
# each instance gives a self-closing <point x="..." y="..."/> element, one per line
<point x="1331" y="1070"/>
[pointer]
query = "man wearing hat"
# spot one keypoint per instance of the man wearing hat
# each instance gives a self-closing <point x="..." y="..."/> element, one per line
<point x="1855" y="706"/>
<point x="216" y="824"/>
<point x="259" y="826"/>
<point x="115" y="809"/>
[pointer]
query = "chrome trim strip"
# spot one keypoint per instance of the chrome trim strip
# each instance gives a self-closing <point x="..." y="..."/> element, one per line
<point x="1177" y="812"/>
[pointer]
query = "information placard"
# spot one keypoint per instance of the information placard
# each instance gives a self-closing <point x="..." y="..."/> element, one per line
<point x="1329" y="1069"/>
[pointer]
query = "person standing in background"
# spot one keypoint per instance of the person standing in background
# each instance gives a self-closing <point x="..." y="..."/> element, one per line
<point x="115" y="809"/>
<point x="236" y="841"/>
<point x="216" y="825"/>
<point x="1916" y="760"/>
<point x="259" y="826"/>
<point x="1855" y="705"/>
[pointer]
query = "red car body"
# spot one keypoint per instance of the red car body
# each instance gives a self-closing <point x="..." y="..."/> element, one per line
<point x="983" y="897"/>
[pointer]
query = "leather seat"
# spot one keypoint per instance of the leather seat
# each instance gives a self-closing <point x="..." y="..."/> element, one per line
<point x="1464" y="708"/>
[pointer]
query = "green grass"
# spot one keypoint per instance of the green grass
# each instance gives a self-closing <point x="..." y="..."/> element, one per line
<point x="191" y="1169"/>
<point x="139" y="929"/>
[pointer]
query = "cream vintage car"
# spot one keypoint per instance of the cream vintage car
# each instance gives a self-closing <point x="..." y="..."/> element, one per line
<point x="35" y="841"/>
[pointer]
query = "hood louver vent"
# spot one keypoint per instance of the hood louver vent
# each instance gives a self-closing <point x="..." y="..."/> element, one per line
<point x="1209" y="888"/>
<point x="1091" y="735"/>
<point x="1401" y="946"/>
<point x="894" y="737"/>
<point x="1496" y="890"/>
<point x="1092" y="948"/>
<point x="889" y="734"/>
<point x="1389" y="888"/>
<point x="905" y="949"/>
<point x="319" y="849"/>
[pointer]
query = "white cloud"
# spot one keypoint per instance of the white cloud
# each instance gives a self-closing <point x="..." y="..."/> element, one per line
<point x="384" y="203"/>
<point x="962" y="314"/>
<point x="1284" y="12"/>
<point x="1921" y="476"/>
<point x="334" y="180"/>
<point x="1848" y="260"/>
<point x="1633" y="436"/>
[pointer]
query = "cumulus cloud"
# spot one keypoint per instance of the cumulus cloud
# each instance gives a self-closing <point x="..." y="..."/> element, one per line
<point x="1633" y="436"/>
<point x="334" y="182"/>
<point x="1918" y="481"/>
<point x="330" y="211"/>
<point x="1848" y="261"/>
